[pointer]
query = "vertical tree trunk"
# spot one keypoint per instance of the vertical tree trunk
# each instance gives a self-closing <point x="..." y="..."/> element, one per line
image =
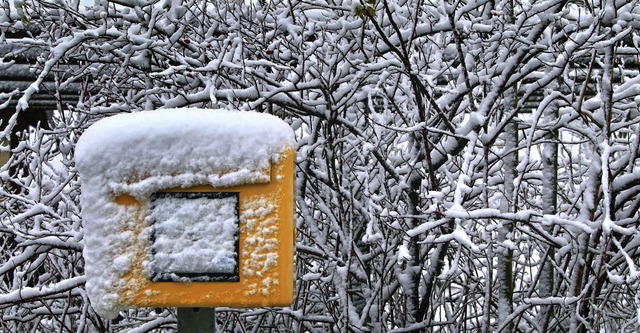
<point x="504" y="268"/>
<point x="549" y="206"/>
<point x="509" y="204"/>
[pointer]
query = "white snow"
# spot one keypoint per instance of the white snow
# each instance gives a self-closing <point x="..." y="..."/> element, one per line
<point x="146" y="152"/>
<point x="257" y="216"/>
<point x="403" y="253"/>
<point x="194" y="235"/>
<point x="143" y="152"/>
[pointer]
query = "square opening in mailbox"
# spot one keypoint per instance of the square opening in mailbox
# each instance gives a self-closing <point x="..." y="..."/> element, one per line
<point x="194" y="236"/>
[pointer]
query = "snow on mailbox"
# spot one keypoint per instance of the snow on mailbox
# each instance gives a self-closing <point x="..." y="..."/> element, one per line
<point x="187" y="208"/>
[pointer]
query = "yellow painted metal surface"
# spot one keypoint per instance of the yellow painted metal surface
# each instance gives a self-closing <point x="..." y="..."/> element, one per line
<point x="4" y="151"/>
<point x="266" y="250"/>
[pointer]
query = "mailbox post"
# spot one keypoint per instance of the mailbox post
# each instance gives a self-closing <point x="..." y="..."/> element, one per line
<point x="187" y="208"/>
<point x="196" y="320"/>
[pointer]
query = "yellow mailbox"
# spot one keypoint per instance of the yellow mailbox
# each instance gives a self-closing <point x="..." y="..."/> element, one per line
<point x="187" y="208"/>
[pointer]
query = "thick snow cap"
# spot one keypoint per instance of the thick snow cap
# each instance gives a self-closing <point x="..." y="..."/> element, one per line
<point x="139" y="153"/>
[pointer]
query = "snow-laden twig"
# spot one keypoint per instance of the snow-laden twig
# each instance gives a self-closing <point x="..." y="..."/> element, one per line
<point x="55" y="290"/>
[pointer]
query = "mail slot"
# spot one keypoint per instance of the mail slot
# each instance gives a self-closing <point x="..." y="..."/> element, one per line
<point x="187" y="208"/>
<point x="194" y="236"/>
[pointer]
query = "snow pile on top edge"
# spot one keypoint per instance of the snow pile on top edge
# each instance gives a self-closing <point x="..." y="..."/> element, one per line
<point x="146" y="151"/>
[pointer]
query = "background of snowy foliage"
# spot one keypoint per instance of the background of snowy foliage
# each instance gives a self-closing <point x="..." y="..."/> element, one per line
<point x="462" y="165"/>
